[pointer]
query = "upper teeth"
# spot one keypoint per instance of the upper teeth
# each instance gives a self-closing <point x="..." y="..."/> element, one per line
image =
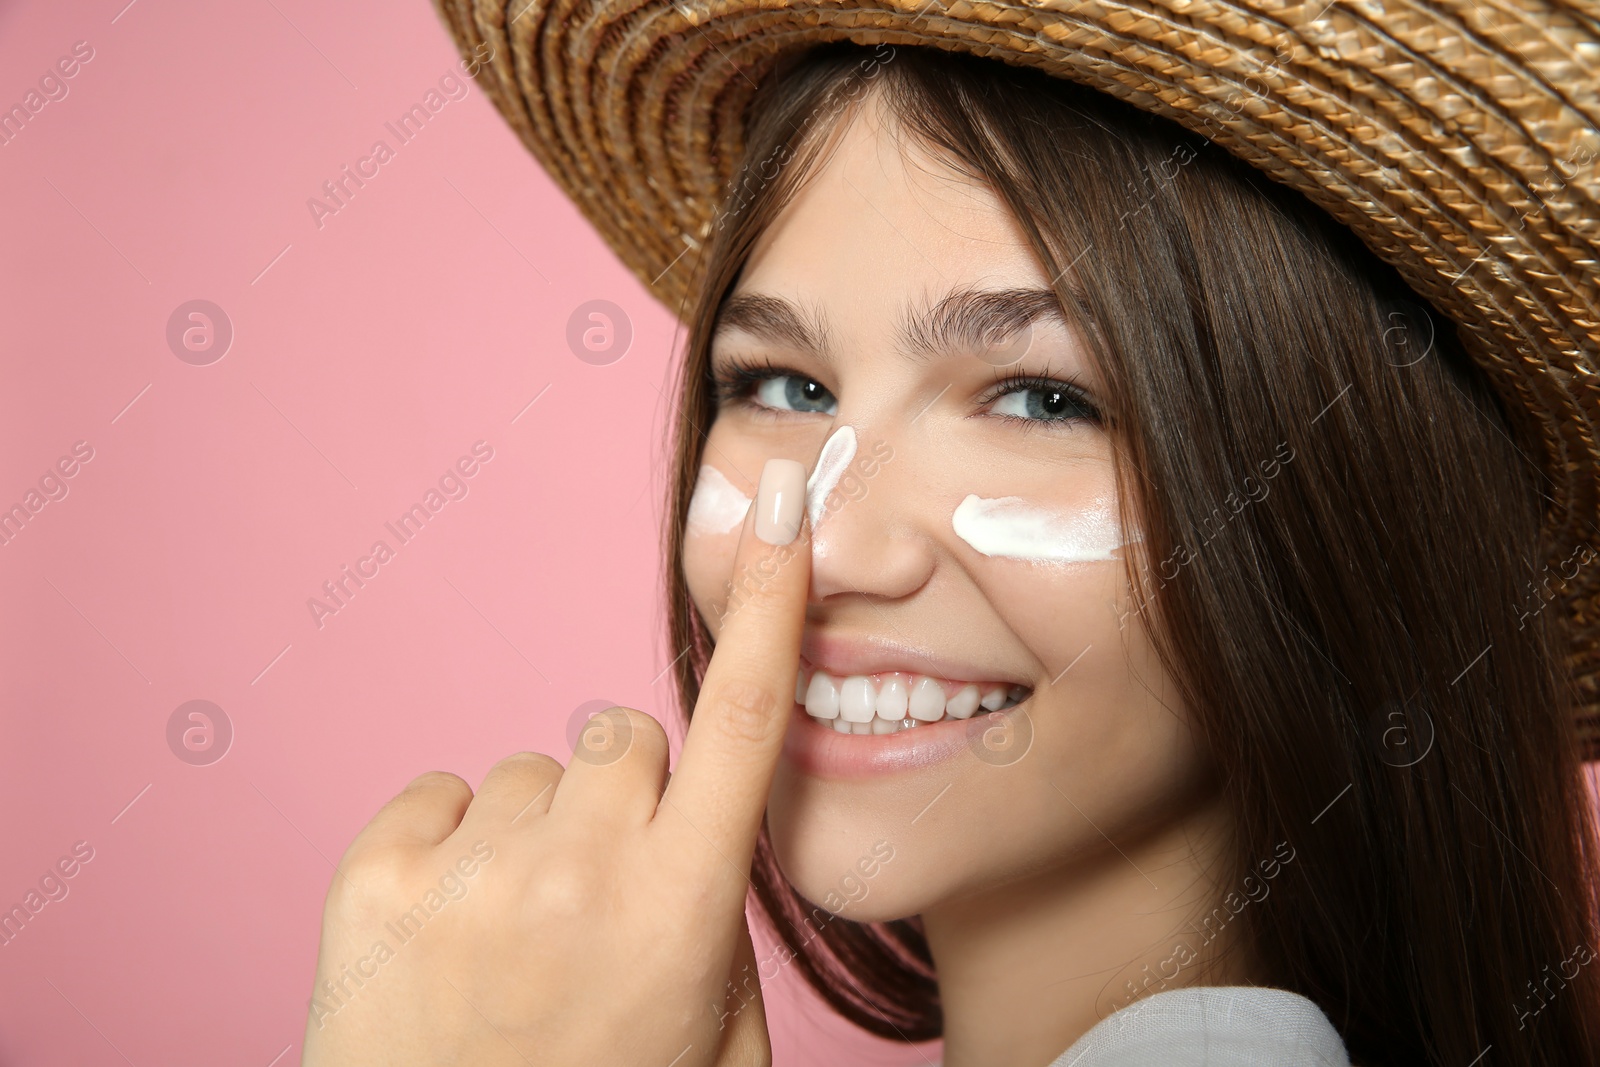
<point x="895" y="700"/>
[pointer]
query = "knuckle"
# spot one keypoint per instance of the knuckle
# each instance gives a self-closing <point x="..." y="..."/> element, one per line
<point x="437" y="781"/>
<point x="606" y="737"/>
<point x="745" y="710"/>
<point x="520" y="772"/>
<point x="647" y="731"/>
<point x="527" y="764"/>
<point x="368" y="877"/>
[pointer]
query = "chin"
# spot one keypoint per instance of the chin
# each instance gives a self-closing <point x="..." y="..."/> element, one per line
<point x="878" y="849"/>
<point x="844" y="846"/>
<point x="893" y="846"/>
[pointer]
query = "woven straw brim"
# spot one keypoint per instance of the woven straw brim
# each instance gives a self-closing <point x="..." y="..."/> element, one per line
<point x="1459" y="140"/>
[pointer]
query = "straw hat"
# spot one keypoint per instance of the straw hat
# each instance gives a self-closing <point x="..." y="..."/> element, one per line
<point x="1459" y="138"/>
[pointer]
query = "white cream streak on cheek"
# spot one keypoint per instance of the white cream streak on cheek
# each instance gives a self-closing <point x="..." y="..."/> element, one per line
<point x="717" y="506"/>
<point x="837" y="452"/>
<point x="1011" y="527"/>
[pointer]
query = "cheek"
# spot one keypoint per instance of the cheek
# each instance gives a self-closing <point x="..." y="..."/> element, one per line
<point x="722" y="498"/>
<point x="1108" y="727"/>
<point x="711" y="537"/>
<point x="707" y="565"/>
<point x="718" y="504"/>
<point x="1061" y="612"/>
<point x="1081" y="526"/>
<point x="1051" y="563"/>
<point x="1103" y="693"/>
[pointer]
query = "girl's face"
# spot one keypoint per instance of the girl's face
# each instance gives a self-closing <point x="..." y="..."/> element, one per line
<point x="966" y="550"/>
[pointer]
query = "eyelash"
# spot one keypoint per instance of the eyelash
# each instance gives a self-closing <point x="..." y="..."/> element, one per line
<point x="1065" y="382"/>
<point x="734" y="381"/>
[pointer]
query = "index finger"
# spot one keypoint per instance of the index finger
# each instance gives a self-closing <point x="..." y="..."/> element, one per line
<point x="736" y="731"/>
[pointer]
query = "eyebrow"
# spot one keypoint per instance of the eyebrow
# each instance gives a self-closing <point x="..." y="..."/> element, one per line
<point x="775" y="320"/>
<point x="966" y="319"/>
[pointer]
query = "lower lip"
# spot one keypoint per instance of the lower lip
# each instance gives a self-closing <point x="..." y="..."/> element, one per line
<point x="819" y="750"/>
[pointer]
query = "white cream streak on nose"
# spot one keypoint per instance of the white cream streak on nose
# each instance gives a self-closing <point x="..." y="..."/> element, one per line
<point x="837" y="452"/>
<point x="717" y="506"/>
<point x="1011" y="527"/>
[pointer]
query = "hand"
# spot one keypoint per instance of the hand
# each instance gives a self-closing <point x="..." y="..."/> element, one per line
<point x="580" y="916"/>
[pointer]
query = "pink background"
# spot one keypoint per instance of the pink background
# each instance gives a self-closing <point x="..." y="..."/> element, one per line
<point x="368" y="355"/>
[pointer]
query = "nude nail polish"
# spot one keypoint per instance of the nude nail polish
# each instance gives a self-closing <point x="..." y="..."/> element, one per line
<point x="780" y="501"/>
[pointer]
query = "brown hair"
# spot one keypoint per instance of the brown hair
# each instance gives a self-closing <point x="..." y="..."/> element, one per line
<point x="1345" y="527"/>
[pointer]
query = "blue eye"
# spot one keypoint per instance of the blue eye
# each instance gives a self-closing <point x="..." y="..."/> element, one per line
<point x="1042" y="400"/>
<point x="768" y="387"/>
<point x="1029" y="400"/>
<point x="1050" y="402"/>
<point x="792" y="392"/>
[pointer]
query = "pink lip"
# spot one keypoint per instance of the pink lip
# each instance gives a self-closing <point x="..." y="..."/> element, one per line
<point x="841" y="656"/>
<point x="824" y="752"/>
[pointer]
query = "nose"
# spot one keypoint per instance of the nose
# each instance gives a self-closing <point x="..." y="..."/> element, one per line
<point x="869" y="533"/>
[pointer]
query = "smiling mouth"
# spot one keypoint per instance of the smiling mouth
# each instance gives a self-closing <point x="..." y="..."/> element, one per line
<point x="891" y="701"/>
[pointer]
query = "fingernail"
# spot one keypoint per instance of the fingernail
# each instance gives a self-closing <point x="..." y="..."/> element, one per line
<point x="780" y="500"/>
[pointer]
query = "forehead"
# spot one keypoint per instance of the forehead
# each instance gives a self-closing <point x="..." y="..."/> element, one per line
<point x="881" y="221"/>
